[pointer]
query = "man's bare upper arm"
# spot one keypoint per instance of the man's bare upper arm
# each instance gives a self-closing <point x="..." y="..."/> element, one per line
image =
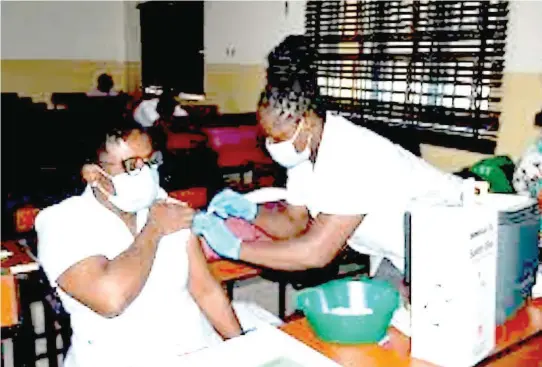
<point x="200" y="280"/>
<point x="84" y="282"/>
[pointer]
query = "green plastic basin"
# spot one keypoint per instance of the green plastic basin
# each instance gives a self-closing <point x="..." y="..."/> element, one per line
<point x="350" y="311"/>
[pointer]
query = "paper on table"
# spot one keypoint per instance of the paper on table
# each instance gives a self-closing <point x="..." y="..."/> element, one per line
<point x="260" y="348"/>
<point x="24" y="268"/>
<point x="4" y="254"/>
<point x="282" y="362"/>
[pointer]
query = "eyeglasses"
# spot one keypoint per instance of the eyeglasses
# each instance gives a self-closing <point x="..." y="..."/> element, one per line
<point x="133" y="165"/>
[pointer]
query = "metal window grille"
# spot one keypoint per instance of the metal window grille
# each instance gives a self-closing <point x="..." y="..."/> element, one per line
<point x="434" y="67"/>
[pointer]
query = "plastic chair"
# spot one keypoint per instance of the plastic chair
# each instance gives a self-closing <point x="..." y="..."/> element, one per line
<point x="34" y="287"/>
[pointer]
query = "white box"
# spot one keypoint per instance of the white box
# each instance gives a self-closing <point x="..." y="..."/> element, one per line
<point x="453" y="276"/>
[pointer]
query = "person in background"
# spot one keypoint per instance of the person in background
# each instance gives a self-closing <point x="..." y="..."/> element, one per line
<point x="154" y="109"/>
<point x="527" y="181"/>
<point x="158" y="115"/>
<point x="125" y="264"/>
<point x="351" y="184"/>
<point x="104" y="87"/>
<point x="528" y="172"/>
<point x="161" y="114"/>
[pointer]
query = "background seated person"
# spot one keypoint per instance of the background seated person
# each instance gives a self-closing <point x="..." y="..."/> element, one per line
<point x="125" y="264"/>
<point x="148" y="113"/>
<point x="527" y="181"/>
<point x="528" y="172"/>
<point x="104" y="87"/>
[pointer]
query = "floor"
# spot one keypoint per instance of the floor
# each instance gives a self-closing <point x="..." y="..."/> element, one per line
<point x="257" y="290"/>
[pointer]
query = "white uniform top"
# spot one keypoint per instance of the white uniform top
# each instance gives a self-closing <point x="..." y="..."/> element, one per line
<point x="146" y="114"/>
<point x="162" y="322"/>
<point x="359" y="172"/>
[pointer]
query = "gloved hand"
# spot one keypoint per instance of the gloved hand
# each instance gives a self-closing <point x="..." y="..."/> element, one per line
<point x="217" y="235"/>
<point x="229" y="203"/>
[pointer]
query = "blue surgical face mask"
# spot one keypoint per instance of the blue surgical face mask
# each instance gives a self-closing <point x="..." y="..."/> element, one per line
<point x="284" y="152"/>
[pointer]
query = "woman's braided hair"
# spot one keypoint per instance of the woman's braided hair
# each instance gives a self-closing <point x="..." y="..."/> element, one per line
<point x="291" y="88"/>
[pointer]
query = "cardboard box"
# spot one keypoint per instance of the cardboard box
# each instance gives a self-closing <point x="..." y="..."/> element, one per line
<point x="453" y="271"/>
<point x="517" y="250"/>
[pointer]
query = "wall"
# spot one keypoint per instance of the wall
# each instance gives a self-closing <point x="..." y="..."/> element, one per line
<point x="62" y="46"/>
<point x="132" y="39"/>
<point x="235" y="86"/>
<point x="252" y="28"/>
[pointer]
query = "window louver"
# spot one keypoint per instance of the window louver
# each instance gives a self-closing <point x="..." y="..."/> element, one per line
<point x="432" y="66"/>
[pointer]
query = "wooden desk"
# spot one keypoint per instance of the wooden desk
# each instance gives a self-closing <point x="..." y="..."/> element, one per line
<point x="228" y="272"/>
<point x="20" y="261"/>
<point x="519" y="343"/>
<point x="14" y="267"/>
<point x="9" y="303"/>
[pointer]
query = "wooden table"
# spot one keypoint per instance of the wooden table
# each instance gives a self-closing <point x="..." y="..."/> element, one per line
<point x="519" y="343"/>
<point x="228" y="272"/>
<point x="20" y="261"/>
<point x="14" y="266"/>
<point x="9" y="303"/>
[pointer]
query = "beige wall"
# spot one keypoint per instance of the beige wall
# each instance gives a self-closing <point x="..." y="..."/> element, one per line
<point x="62" y="46"/>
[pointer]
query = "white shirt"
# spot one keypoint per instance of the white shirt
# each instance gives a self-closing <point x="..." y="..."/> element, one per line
<point x="162" y="322"/>
<point x="358" y="172"/>
<point x="146" y="113"/>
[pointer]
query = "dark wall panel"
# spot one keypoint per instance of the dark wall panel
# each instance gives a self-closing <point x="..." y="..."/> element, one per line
<point x="172" y="45"/>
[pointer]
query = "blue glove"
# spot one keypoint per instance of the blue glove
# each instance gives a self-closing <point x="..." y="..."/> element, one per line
<point x="229" y="203"/>
<point x="217" y="235"/>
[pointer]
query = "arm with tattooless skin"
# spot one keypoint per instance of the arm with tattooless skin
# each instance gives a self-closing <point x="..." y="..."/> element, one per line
<point x="108" y="286"/>
<point x="208" y="293"/>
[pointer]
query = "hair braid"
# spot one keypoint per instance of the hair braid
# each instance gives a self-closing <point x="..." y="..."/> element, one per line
<point x="291" y="88"/>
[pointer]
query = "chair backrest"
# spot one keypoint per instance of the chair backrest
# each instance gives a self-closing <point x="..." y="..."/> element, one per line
<point x="69" y="99"/>
<point x="232" y="138"/>
<point x="196" y="197"/>
<point x="25" y="218"/>
<point x="201" y="110"/>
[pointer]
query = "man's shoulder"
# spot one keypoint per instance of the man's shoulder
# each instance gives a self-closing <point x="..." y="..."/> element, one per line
<point x="67" y="212"/>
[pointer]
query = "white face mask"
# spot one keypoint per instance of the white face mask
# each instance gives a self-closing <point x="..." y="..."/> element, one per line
<point x="284" y="152"/>
<point x="133" y="193"/>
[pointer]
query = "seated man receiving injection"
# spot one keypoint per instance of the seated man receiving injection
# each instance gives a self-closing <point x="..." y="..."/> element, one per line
<point x="126" y="266"/>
